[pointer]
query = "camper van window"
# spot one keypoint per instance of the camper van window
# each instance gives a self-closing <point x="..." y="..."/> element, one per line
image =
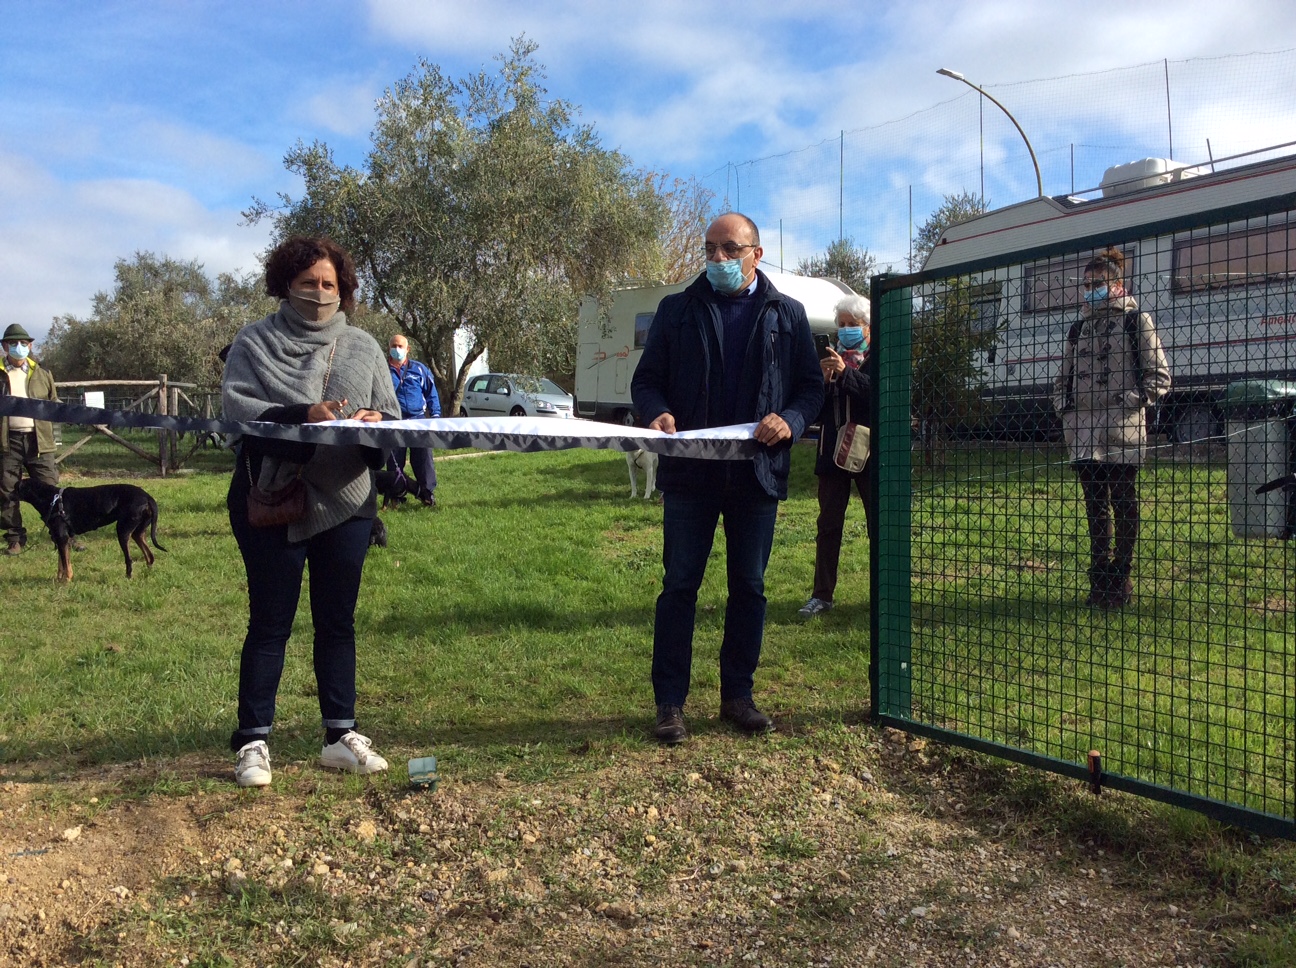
<point x="985" y="305"/>
<point x="1052" y="286"/>
<point x="985" y="315"/>
<point x="642" y="322"/>
<point x="1233" y="259"/>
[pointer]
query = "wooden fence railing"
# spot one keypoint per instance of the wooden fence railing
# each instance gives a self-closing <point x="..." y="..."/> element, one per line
<point x="161" y="397"/>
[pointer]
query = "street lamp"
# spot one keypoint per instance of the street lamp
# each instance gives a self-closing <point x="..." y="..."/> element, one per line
<point x="1039" y="181"/>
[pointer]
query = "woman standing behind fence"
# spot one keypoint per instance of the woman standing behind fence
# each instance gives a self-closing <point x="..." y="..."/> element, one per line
<point x="847" y="399"/>
<point x="304" y="364"/>
<point x="1113" y="369"/>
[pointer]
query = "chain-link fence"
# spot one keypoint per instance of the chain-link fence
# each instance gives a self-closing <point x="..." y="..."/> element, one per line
<point x="1079" y="564"/>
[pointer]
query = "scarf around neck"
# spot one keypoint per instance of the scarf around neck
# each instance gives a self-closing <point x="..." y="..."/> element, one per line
<point x="284" y="360"/>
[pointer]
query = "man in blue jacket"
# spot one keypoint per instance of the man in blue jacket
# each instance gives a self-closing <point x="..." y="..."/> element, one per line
<point x="416" y="393"/>
<point x="730" y="349"/>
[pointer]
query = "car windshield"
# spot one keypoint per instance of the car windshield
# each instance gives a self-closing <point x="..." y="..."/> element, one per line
<point x="532" y="384"/>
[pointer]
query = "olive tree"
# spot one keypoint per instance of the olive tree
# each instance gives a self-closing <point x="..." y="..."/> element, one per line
<point x="689" y="207"/>
<point x="484" y="208"/>
<point x="162" y="316"/>
<point x="845" y="261"/>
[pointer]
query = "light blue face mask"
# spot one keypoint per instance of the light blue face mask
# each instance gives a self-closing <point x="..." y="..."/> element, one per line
<point x="1094" y="296"/>
<point x="727" y="276"/>
<point x="18" y="351"/>
<point x="851" y="337"/>
<point x="397" y="353"/>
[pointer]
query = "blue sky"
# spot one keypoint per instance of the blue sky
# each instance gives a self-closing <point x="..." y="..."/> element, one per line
<point x="150" y="125"/>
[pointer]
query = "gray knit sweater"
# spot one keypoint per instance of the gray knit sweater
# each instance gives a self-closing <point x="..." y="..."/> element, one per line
<point x="284" y="360"/>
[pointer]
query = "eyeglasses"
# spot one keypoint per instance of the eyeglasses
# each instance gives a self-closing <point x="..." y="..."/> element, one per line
<point x="16" y="342"/>
<point x="730" y="250"/>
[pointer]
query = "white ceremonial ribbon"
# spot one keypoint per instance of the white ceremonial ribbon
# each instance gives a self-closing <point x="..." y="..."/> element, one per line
<point x="530" y="434"/>
<point x="735" y="442"/>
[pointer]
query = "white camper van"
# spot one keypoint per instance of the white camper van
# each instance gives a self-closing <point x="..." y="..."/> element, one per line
<point x="1223" y="295"/>
<point x="608" y="348"/>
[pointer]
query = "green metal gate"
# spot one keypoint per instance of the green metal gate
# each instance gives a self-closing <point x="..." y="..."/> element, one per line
<point x="981" y="633"/>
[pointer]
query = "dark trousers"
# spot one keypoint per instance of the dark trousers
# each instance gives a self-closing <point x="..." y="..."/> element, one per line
<point x="834" y="496"/>
<point x="1112" y="507"/>
<point x="274" y="577"/>
<point x="22" y="455"/>
<point x="420" y="459"/>
<point x="688" y="531"/>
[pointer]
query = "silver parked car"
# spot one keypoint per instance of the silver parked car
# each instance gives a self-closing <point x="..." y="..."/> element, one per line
<point x="512" y="395"/>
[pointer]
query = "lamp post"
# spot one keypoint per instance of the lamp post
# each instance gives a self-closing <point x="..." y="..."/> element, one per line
<point x="1039" y="181"/>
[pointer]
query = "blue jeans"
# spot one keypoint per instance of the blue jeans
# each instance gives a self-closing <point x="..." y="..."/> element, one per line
<point x="274" y="577"/>
<point x="421" y="463"/>
<point x="688" y="531"/>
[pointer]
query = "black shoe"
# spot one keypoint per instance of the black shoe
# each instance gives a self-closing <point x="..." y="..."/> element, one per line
<point x="424" y="495"/>
<point x="670" y="724"/>
<point x="743" y="715"/>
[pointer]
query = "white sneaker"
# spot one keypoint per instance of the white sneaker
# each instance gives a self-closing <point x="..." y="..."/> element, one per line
<point x="252" y="769"/>
<point x="353" y="754"/>
<point x="816" y="606"/>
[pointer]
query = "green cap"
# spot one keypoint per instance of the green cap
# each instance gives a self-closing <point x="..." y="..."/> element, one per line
<point x="16" y="332"/>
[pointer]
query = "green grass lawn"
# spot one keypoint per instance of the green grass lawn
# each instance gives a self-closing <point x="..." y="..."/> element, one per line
<point x="519" y="613"/>
<point x="1193" y="686"/>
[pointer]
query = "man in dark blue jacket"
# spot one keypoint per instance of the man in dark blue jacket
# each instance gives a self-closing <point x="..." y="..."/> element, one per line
<point x="416" y="393"/>
<point x="730" y="349"/>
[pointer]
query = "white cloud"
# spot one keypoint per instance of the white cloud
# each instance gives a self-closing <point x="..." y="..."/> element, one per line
<point x="59" y="239"/>
<point x="691" y="83"/>
<point x="345" y="109"/>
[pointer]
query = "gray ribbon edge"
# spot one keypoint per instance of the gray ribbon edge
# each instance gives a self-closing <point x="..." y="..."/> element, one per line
<point x="374" y="435"/>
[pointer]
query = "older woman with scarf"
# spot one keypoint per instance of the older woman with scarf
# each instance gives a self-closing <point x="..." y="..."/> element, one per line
<point x="304" y="364"/>
<point x="847" y="399"/>
<point x="1113" y="369"/>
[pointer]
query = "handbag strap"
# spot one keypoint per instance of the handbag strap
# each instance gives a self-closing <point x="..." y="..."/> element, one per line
<point x="328" y="370"/>
<point x="843" y="395"/>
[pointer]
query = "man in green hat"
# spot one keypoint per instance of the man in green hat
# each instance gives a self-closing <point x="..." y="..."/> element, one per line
<point x="25" y="444"/>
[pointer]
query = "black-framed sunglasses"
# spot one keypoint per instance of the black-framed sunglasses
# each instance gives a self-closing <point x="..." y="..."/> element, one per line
<point x="730" y="250"/>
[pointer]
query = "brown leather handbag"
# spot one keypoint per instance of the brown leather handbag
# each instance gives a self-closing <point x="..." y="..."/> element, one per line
<point x="287" y="505"/>
<point x="272" y="509"/>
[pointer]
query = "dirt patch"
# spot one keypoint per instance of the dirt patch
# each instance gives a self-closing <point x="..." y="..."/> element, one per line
<point x="859" y="847"/>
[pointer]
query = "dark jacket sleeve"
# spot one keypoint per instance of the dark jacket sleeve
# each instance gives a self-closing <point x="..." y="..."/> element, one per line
<point x="857" y="385"/>
<point x="806" y="385"/>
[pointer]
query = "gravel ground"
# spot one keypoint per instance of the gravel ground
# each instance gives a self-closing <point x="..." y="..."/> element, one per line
<point x="842" y="846"/>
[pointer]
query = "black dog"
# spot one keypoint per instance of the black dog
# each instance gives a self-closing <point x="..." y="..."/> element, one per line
<point x="70" y="511"/>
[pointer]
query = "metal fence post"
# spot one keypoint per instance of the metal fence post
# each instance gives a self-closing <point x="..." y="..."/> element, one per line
<point x="163" y="457"/>
<point x="890" y="670"/>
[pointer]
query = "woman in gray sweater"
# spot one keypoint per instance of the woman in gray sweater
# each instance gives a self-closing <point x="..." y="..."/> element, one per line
<point x="1113" y="369"/>
<point x="305" y="364"/>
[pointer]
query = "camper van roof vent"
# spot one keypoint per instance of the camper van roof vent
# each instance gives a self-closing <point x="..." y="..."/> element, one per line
<point x="1145" y="173"/>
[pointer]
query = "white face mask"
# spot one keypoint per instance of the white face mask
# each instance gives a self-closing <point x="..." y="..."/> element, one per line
<point x="315" y="305"/>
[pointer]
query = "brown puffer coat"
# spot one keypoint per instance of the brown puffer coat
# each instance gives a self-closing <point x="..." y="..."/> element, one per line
<point x="1102" y="390"/>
